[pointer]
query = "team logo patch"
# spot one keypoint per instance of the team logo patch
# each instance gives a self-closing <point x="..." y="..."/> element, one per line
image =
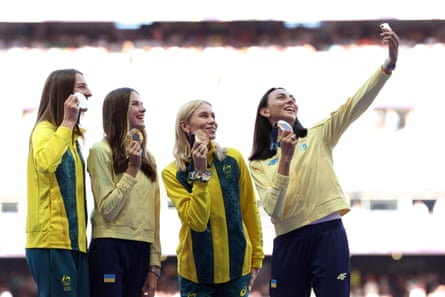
<point x="228" y="172"/>
<point x="66" y="282"/>
<point x="243" y="291"/>
<point x="302" y="147"/>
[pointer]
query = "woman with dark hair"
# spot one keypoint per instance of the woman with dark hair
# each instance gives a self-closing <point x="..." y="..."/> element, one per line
<point x="220" y="242"/>
<point x="125" y="250"/>
<point x="298" y="187"/>
<point x="56" y="241"/>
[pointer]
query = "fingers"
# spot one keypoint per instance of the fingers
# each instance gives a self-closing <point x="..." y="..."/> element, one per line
<point x="253" y="275"/>
<point x="391" y="39"/>
<point x="199" y="154"/>
<point x="70" y="112"/>
<point x="252" y="280"/>
<point x="134" y="148"/>
<point x="288" y="145"/>
<point x="134" y="145"/>
<point x="200" y="150"/>
<point x="134" y="153"/>
<point x="73" y="102"/>
<point x="150" y="285"/>
<point x="137" y="152"/>
<point x="149" y="292"/>
<point x="290" y="138"/>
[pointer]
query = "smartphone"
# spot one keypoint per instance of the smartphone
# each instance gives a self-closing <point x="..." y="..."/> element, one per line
<point x="385" y="27"/>
<point x="83" y="102"/>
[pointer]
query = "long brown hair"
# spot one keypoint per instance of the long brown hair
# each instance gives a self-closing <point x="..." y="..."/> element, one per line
<point x="116" y="126"/>
<point x="58" y="87"/>
<point x="261" y="139"/>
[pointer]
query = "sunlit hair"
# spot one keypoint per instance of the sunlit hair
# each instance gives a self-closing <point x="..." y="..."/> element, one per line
<point x="182" y="149"/>
<point x="261" y="135"/>
<point x="58" y="87"/>
<point x="116" y="126"/>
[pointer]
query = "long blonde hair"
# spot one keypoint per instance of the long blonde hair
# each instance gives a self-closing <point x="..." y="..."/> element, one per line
<point x="181" y="148"/>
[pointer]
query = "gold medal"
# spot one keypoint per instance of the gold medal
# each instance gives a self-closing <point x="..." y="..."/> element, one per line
<point x="135" y="134"/>
<point x="201" y="137"/>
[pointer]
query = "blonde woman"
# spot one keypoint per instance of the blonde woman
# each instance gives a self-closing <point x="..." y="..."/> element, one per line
<point x="220" y="250"/>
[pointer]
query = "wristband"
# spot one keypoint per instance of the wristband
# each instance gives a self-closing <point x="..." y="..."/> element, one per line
<point x="155" y="270"/>
<point x="202" y="176"/>
<point x="388" y="67"/>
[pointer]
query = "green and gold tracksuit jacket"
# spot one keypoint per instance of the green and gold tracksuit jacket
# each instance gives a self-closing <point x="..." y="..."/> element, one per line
<point x="220" y="237"/>
<point x="57" y="214"/>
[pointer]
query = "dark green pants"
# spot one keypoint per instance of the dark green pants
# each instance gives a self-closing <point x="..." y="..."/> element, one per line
<point x="59" y="273"/>
<point x="236" y="288"/>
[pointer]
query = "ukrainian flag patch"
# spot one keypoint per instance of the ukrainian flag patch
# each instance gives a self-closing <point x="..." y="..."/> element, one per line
<point x="273" y="283"/>
<point x="109" y="278"/>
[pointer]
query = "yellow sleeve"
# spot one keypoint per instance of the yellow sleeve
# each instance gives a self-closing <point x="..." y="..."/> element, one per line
<point x="49" y="145"/>
<point x="271" y="187"/>
<point x="251" y="216"/>
<point x="156" y="252"/>
<point x="109" y="196"/>
<point x="193" y="208"/>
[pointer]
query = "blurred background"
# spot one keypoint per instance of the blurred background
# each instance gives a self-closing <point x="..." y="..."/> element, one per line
<point x="391" y="161"/>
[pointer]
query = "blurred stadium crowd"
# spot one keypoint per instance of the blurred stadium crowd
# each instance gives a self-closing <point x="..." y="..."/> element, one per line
<point x="237" y="34"/>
